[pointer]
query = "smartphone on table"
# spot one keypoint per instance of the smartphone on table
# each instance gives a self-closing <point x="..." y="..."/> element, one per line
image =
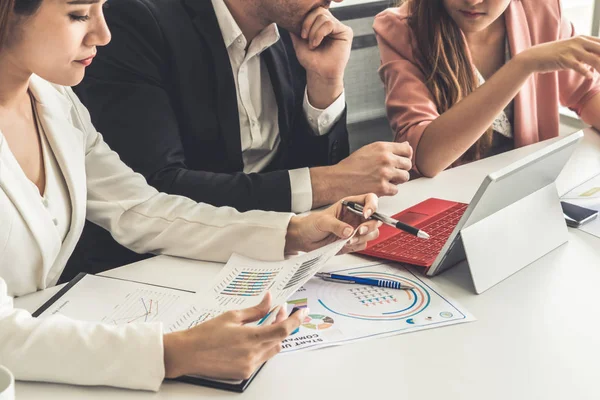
<point x="576" y="215"/>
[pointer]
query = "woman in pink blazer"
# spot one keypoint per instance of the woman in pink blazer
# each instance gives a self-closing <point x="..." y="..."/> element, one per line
<point x="466" y="79"/>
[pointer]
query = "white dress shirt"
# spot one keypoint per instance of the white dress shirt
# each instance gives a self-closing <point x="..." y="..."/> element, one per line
<point x="257" y="106"/>
<point x="56" y="194"/>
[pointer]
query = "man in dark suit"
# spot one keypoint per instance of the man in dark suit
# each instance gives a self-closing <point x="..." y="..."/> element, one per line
<point x="233" y="103"/>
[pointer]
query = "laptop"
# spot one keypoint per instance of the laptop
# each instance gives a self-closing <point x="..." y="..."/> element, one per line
<point x="437" y="217"/>
<point x="443" y="220"/>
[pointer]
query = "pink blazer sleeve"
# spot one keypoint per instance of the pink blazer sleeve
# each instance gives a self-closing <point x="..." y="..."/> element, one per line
<point x="575" y="90"/>
<point x="409" y="104"/>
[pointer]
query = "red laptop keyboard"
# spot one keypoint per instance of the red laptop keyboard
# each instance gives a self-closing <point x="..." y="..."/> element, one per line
<point x="406" y="248"/>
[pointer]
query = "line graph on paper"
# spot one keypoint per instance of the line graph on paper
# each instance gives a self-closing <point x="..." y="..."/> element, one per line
<point x="191" y="317"/>
<point x="142" y="305"/>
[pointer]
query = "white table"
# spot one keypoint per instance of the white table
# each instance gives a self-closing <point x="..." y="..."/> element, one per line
<point x="537" y="334"/>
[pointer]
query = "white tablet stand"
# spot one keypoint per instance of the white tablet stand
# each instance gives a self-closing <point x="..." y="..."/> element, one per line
<point x="514" y="237"/>
<point x="514" y="218"/>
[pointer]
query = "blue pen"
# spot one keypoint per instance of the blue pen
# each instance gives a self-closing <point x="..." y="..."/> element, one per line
<point x="364" y="281"/>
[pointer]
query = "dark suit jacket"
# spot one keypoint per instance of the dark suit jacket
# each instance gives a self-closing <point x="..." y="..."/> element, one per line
<point x="163" y="95"/>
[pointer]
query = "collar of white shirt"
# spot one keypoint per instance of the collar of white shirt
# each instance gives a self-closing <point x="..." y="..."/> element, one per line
<point x="233" y="36"/>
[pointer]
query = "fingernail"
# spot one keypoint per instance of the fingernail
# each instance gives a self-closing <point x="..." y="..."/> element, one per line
<point x="347" y="232"/>
<point x="353" y="241"/>
<point x="379" y="223"/>
<point x="315" y="43"/>
<point x="363" y="230"/>
<point x="368" y="213"/>
<point x="304" y="313"/>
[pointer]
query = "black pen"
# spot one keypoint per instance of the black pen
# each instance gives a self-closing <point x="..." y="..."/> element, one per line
<point x="358" y="209"/>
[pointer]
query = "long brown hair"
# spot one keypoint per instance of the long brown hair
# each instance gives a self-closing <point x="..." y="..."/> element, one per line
<point x="6" y="9"/>
<point x="9" y="8"/>
<point x="444" y="57"/>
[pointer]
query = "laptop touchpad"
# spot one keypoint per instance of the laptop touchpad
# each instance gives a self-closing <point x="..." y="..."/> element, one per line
<point x="412" y="218"/>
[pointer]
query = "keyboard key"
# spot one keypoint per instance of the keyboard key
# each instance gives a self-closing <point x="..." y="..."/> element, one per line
<point x="407" y="248"/>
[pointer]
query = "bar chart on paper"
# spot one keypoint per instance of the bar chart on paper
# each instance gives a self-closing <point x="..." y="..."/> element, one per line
<point x="242" y="283"/>
<point x="247" y="283"/>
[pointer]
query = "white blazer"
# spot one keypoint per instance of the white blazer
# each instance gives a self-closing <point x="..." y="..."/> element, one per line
<point x="108" y="193"/>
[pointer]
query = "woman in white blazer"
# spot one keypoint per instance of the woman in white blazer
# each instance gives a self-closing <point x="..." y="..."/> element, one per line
<point x="55" y="170"/>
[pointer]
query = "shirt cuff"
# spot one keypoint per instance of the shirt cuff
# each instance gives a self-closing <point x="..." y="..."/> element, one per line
<point x="321" y="121"/>
<point x="301" y="190"/>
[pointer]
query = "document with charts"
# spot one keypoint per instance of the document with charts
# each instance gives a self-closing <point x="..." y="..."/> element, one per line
<point x="343" y="313"/>
<point x="242" y="283"/>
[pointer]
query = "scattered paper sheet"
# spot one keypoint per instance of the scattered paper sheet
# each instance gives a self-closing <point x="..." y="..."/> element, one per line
<point x="339" y="313"/>
<point x="586" y="191"/>
<point x="243" y="282"/>
<point x="344" y="313"/>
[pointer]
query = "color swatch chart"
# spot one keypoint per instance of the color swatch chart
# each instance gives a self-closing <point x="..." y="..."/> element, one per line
<point x="246" y="282"/>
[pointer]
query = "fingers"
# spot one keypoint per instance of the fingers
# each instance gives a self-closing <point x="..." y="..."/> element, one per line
<point x="281" y="314"/>
<point x="319" y="24"/>
<point x="321" y="28"/>
<point x="395" y="163"/>
<point x="370" y="203"/>
<point x="398" y="176"/>
<point x="583" y="53"/>
<point x="583" y="70"/>
<point x="403" y="163"/>
<point x="331" y="224"/>
<point x="309" y="21"/>
<point x="272" y="351"/>
<point x="591" y="45"/>
<point x="255" y="313"/>
<point x="390" y="189"/>
<point x="591" y="60"/>
<point x="591" y="38"/>
<point x="367" y="231"/>
<point x="386" y="187"/>
<point x="361" y="244"/>
<point x="578" y="61"/>
<point x="401" y="149"/>
<point x="277" y="332"/>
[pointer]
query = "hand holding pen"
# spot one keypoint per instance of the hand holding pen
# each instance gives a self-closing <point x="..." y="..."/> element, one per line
<point x="359" y="210"/>
<point x="320" y="228"/>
